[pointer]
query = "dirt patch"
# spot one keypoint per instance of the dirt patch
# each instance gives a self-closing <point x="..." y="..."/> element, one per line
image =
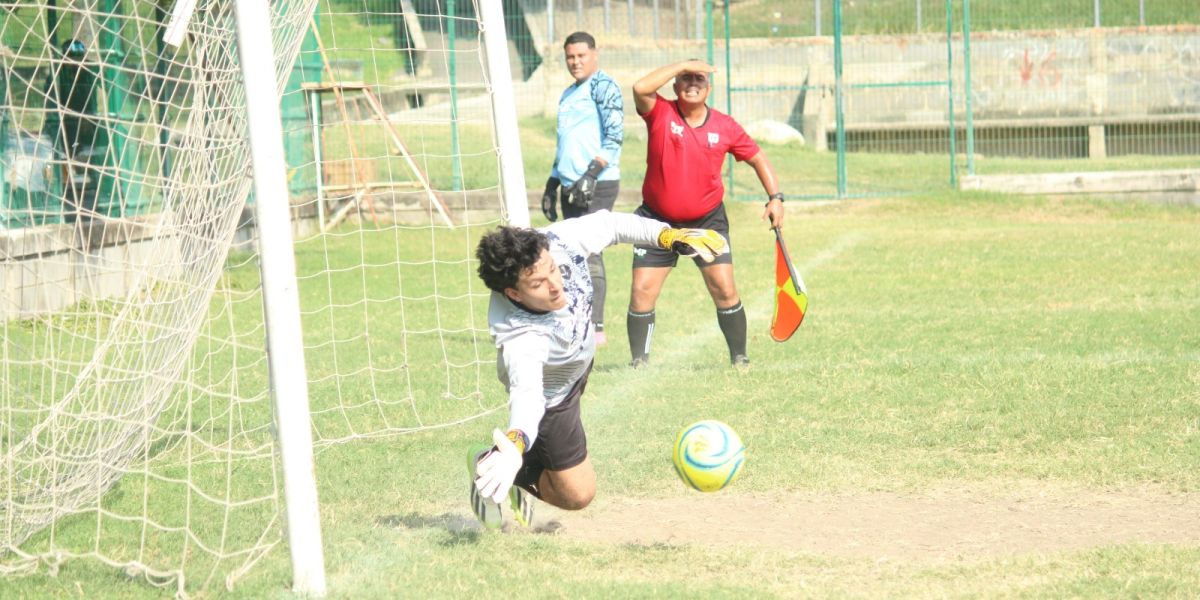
<point x="939" y="526"/>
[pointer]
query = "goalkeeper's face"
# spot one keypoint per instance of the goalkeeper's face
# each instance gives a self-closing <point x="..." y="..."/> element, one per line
<point x="540" y="287"/>
<point x="582" y="61"/>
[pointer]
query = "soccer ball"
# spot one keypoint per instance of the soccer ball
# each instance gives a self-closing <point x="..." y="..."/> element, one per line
<point x="708" y="455"/>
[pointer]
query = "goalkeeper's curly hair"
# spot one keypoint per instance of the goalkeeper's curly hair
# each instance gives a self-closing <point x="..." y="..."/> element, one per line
<point x="506" y="252"/>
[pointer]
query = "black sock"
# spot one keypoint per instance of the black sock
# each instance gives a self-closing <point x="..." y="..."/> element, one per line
<point x="641" y="327"/>
<point x="733" y="324"/>
<point x="599" y="289"/>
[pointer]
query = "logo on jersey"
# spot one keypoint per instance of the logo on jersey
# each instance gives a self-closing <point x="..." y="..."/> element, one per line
<point x="676" y="129"/>
<point x="713" y="138"/>
<point x="565" y="271"/>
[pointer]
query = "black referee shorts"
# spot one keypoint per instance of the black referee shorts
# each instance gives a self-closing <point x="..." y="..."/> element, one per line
<point x="653" y="256"/>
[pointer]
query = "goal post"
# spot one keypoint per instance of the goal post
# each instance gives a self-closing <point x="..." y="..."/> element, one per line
<point x="281" y="303"/>
<point x="512" y="166"/>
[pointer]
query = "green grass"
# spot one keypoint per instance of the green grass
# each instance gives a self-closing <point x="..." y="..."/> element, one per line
<point x="955" y="341"/>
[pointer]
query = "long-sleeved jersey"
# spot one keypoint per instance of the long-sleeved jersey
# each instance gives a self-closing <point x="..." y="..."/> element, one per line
<point x="541" y="356"/>
<point x="591" y="123"/>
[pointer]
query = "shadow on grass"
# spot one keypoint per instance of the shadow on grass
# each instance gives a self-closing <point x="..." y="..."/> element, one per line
<point x="462" y="529"/>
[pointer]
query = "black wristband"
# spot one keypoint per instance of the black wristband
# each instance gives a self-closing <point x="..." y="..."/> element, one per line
<point x="776" y="196"/>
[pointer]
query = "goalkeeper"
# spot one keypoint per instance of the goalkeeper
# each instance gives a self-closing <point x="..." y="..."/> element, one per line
<point x="591" y="127"/>
<point x="686" y="147"/>
<point x="540" y="319"/>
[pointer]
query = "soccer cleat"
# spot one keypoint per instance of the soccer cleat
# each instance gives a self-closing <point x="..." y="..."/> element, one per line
<point x="741" y="361"/>
<point x="487" y="511"/>
<point x="639" y="362"/>
<point x="522" y="506"/>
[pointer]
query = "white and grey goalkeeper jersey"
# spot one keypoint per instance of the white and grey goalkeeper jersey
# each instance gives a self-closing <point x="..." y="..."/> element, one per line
<point x="541" y="356"/>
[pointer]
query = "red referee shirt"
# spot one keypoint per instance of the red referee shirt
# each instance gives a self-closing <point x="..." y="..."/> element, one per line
<point x="683" y="164"/>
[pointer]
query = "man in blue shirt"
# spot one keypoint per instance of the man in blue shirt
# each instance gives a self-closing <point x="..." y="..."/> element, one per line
<point x="585" y="176"/>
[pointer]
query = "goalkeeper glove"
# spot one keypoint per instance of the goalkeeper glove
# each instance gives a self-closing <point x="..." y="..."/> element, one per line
<point x="550" y="200"/>
<point x="497" y="470"/>
<point x="705" y="243"/>
<point x="584" y="189"/>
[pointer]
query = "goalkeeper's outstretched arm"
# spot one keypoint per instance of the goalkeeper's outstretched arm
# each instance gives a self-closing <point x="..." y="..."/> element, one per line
<point x="601" y="229"/>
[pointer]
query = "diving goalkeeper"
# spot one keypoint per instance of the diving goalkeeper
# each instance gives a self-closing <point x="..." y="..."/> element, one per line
<point x="540" y="319"/>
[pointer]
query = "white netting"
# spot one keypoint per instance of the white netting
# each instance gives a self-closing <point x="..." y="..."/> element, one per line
<point x="135" y="423"/>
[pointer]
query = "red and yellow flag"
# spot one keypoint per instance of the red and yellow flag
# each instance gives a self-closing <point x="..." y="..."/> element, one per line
<point x="791" y="297"/>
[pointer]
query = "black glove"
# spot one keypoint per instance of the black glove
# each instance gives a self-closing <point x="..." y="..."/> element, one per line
<point x="581" y="193"/>
<point x="550" y="200"/>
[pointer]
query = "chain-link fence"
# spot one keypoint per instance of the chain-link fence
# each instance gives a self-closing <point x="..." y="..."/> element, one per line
<point x="872" y="86"/>
<point x="876" y="87"/>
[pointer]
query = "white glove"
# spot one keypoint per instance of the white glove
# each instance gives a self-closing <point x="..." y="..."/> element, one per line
<point x="499" y="468"/>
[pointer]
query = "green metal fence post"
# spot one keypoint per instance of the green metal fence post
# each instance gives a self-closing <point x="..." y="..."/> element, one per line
<point x="728" y="95"/>
<point x="950" y="88"/>
<point x="837" y="99"/>
<point x="4" y="201"/>
<point x="456" y="177"/>
<point x="294" y="109"/>
<point x="115" y="194"/>
<point x="708" y="27"/>
<point x="967" y="86"/>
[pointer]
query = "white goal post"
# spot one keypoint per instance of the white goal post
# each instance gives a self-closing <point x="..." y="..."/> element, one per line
<point x="281" y="301"/>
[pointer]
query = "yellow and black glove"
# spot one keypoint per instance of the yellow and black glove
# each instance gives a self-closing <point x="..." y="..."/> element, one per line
<point x="705" y="243"/>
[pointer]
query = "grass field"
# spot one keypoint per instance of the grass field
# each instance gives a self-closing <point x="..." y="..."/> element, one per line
<point x="1002" y="350"/>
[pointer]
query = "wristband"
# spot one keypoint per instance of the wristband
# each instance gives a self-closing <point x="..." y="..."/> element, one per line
<point x="776" y="196"/>
<point x="519" y="439"/>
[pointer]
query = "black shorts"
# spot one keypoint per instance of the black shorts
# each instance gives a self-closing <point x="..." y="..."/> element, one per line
<point x="653" y="256"/>
<point x="604" y="199"/>
<point x="561" y="442"/>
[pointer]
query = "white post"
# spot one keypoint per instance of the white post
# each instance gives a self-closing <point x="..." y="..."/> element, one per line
<point x="281" y="299"/>
<point x="504" y="114"/>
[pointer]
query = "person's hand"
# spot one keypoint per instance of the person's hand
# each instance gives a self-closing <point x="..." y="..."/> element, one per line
<point x="498" y="468"/>
<point x="705" y="243"/>
<point x="584" y="189"/>
<point x="696" y="66"/>
<point x="773" y="212"/>
<point x="550" y="200"/>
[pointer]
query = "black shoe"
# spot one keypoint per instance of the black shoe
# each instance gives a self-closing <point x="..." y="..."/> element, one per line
<point x="740" y="361"/>
<point x="639" y="362"/>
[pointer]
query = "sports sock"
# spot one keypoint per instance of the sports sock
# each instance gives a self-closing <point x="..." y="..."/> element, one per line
<point x="733" y="324"/>
<point x="641" y="328"/>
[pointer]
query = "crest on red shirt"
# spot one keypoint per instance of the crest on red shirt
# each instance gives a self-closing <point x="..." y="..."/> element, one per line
<point x="713" y="138"/>
<point x="676" y="129"/>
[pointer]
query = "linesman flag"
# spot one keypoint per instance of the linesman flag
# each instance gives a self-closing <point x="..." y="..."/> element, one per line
<point x="791" y="297"/>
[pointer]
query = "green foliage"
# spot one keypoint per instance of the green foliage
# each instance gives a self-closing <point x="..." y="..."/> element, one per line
<point x="791" y="18"/>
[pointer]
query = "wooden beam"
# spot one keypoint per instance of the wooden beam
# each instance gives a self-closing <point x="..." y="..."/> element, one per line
<point x="1099" y="182"/>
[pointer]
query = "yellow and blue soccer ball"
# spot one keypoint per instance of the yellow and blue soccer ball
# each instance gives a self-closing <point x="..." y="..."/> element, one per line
<point x="708" y="455"/>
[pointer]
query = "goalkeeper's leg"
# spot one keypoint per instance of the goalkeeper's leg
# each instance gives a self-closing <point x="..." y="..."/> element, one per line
<point x="561" y="472"/>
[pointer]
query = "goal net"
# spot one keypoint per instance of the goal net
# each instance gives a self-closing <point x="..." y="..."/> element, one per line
<point x="135" y="413"/>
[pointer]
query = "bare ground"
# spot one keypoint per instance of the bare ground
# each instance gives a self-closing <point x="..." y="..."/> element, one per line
<point x="935" y="526"/>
